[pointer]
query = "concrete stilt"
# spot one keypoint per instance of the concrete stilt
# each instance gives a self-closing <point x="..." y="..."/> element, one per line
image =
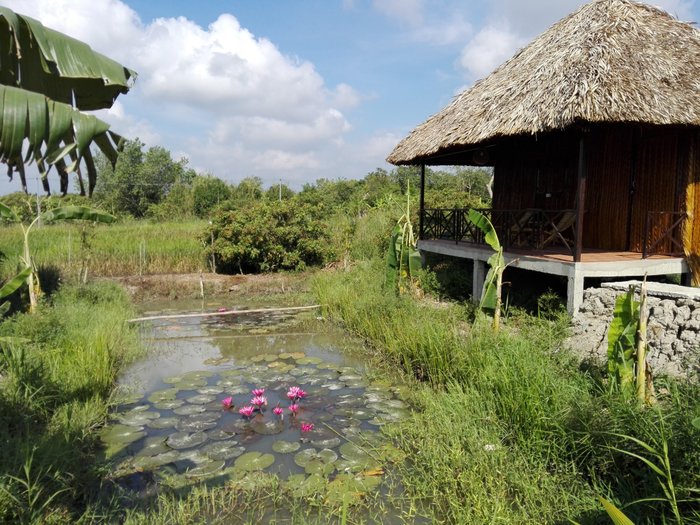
<point x="478" y="277"/>
<point x="574" y="291"/>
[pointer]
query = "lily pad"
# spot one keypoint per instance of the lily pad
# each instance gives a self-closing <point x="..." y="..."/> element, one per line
<point x="326" y="443"/>
<point x="181" y="440"/>
<point x="254" y="461"/>
<point x="166" y="394"/>
<point x="223" y="449"/>
<point x="267" y="427"/>
<point x="196" y="423"/>
<point x="137" y="418"/>
<point x="348" y="488"/>
<point x="121" y="434"/>
<point x="210" y="390"/>
<point x="285" y="447"/>
<point x="153" y="447"/>
<point x="188" y="410"/>
<point x="151" y="462"/>
<point x="206" y="469"/>
<point x="168" y="404"/>
<point x="301" y="485"/>
<point x="316" y="462"/>
<point x="220" y="434"/>
<point x="355" y="459"/>
<point x="163" y="422"/>
<point x="200" y="399"/>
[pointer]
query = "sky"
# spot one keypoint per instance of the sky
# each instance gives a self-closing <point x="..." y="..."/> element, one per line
<point x="295" y="90"/>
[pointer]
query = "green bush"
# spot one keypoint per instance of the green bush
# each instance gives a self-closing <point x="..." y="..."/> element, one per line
<point x="268" y="236"/>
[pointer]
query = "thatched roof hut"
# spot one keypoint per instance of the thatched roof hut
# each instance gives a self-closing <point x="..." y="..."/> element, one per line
<point x="611" y="61"/>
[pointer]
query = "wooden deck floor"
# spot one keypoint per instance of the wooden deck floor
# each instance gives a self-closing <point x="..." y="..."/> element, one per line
<point x="589" y="256"/>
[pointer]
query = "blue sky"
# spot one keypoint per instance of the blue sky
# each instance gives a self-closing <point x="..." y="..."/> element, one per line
<point x="295" y="90"/>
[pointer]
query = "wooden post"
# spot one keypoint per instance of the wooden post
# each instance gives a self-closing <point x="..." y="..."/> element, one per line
<point x="580" y="196"/>
<point x="422" y="201"/>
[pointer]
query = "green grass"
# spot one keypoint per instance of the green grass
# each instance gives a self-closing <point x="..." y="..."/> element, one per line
<point x="54" y="394"/>
<point x="510" y="430"/>
<point x="128" y="248"/>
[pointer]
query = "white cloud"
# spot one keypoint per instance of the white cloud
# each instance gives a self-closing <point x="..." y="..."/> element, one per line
<point x="681" y="9"/>
<point x="488" y="49"/>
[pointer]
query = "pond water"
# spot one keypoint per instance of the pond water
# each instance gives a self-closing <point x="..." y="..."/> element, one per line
<point x="181" y="420"/>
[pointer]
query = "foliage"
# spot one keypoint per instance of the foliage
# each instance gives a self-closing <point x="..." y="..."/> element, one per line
<point x="507" y="428"/>
<point x="269" y="236"/>
<point x="57" y="378"/>
<point x="207" y="193"/>
<point x="26" y="207"/>
<point x="139" y="179"/>
<point x="627" y="347"/>
<point x="29" y="270"/>
<point x="403" y="258"/>
<point x="491" y="295"/>
<point x="46" y="80"/>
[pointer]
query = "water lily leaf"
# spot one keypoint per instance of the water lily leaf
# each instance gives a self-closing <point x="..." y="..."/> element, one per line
<point x="166" y="394"/>
<point x="181" y="440"/>
<point x="138" y="418"/>
<point x="200" y="399"/>
<point x="223" y="450"/>
<point x="195" y="423"/>
<point x="267" y="427"/>
<point x="206" y="469"/>
<point x="327" y="443"/>
<point x="316" y="462"/>
<point x="302" y="486"/>
<point x="285" y="447"/>
<point x="169" y="404"/>
<point x="188" y="410"/>
<point x="151" y="462"/>
<point x="121" y="434"/>
<point x="153" y="447"/>
<point x="349" y="489"/>
<point x="254" y="461"/>
<point x="210" y="390"/>
<point x="163" y="422"/>
<point x="220" y="434"/>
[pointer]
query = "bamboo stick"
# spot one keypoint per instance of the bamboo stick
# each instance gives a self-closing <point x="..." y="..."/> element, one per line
<point x="228" y="312"/>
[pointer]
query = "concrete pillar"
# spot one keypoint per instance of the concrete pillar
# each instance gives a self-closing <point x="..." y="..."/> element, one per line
<point x="478" y="278"/>
<point x="574" y="291"/>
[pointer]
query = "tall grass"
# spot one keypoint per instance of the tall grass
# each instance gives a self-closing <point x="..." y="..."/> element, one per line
<point x="129" y="248"/>
<point x="511" y="431"/>
<point x="54" y="393"/>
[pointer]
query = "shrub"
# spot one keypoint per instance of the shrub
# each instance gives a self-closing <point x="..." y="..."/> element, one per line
<point x="269" y="236"/>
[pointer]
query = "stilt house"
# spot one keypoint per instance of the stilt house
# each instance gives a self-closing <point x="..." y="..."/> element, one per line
<point x="593" y="133"/>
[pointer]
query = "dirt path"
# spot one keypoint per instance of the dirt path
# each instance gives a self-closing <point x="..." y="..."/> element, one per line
<point x="189" y="285"/>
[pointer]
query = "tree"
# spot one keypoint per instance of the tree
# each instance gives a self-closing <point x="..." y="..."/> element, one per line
<point x="208" y="192"/>
<point x="139" y="180"/>
<point x="46" y="80"/>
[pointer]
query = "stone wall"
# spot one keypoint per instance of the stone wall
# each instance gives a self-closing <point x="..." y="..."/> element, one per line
<point x="673" y="330"/>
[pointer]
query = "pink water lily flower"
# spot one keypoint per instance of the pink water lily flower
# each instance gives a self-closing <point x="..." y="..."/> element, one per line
<point x="307" y="427"/>
<point x="294" y="393"/>
<point x="258" y="392"/>
<point x="246" y="411"/>
<point x="259" y="402"/>
<point x="278" y="411"/>
<point x="294" y="408"/>
<point x="227" y="402"/>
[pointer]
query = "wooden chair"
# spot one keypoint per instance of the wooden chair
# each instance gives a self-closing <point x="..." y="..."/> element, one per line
<point x="559" y="228"/>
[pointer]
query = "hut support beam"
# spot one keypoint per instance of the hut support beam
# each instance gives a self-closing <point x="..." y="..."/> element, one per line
<point x="478" y="278"/>
<point x="422" y="201"/>
<point x="580" y="197"/>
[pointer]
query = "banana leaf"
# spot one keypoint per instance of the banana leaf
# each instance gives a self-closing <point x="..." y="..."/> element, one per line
<point x="621" y="342"/>
<point x="59" y="66"/>
<point x="482" y="222"/>
<point x="15" y="283"/>
<point x="77" y="213"/>
<point x="7" y="213"/>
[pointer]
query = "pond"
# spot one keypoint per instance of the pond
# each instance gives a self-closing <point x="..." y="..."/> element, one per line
<point x="230" y="397"/>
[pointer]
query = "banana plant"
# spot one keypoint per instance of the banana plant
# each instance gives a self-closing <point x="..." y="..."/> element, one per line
<point x="46" y="80"/>
<point x="627" y="346"/>
<point x="403" y="259"/>
<point x="28" y="274"/>
<point x="491" y="293"/>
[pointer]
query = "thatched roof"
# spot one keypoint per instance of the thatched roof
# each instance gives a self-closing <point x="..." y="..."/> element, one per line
<point x="610" y="61"/>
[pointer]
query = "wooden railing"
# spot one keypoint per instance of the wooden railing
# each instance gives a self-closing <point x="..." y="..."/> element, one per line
<point x="663" y="233"/>
<point x="529" y="229"/>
